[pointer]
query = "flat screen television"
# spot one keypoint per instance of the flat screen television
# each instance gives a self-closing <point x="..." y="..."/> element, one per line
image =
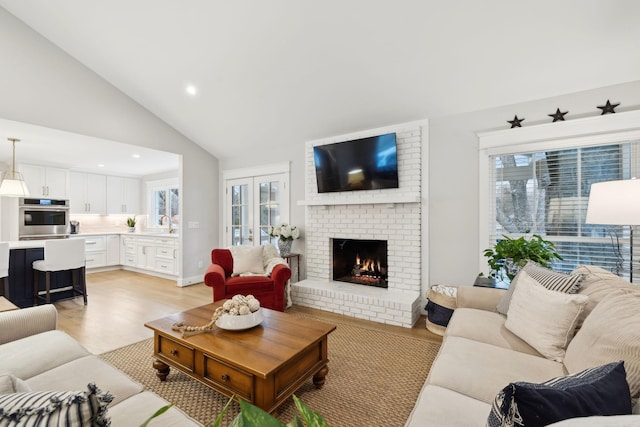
<point x="360" y="164"/>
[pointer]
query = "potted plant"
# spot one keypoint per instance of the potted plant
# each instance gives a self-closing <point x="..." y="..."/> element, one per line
<point x="131" y="223"/>
<point x="509" y="255"/>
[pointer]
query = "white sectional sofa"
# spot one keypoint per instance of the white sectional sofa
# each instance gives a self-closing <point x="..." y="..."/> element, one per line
<point x="36" y="358"/>
<point x="480" y="355"/>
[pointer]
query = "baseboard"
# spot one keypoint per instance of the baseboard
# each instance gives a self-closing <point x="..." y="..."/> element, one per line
<point x="188" y="281"/>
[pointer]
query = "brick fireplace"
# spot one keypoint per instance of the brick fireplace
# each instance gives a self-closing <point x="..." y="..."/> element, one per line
<point x="390" y="215"/>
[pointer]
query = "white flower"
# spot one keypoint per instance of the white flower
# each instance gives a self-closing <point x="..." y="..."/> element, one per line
<point x="284" y="232"/>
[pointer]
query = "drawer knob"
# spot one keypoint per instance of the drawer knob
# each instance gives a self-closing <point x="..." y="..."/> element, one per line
<point x="225" y="377"/>
<point x="174" y="352"/>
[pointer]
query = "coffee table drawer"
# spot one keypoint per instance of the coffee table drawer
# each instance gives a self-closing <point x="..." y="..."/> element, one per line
<point x="176" y="352"/>
<point x="228" y="377"/>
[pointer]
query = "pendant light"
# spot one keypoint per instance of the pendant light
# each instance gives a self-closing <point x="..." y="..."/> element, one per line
<point x="13" y="184"/>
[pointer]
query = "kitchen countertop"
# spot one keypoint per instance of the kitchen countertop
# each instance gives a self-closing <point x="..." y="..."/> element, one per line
<point x="137" y="234"/>
<point x="29" y="244"/>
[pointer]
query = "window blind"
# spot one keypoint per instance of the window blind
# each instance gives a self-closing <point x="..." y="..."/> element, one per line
<point x="547" y="193"/>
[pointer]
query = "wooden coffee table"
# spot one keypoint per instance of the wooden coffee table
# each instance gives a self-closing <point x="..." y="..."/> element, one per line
<point x="263" y="365"/>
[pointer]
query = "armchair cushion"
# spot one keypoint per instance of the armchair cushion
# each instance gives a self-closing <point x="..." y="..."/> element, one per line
<point x="247" y="259"/>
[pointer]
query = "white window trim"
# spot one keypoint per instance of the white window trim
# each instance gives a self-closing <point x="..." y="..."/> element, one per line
<point x="584" y="132"/>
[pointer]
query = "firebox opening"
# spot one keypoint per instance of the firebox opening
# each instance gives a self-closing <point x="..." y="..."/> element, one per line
<point x="362" y="262"/>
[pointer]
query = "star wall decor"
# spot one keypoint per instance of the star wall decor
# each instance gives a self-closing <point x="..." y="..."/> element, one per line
<point x="608" y="108"/>
<point x="558" y="115"/>
<point x="515" y="123"/>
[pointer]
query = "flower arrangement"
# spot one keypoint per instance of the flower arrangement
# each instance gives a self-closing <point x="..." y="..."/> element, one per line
<point x="285" y="232"/>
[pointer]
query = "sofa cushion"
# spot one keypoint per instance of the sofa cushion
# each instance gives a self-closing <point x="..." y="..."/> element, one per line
<point x="597" y="284"/>
<point x="602" y="390"/>
<point x="75" y="374"/>
<point x="247" y="259"/>
<point x="440" y="407"/>
<point x="39" y="353"/>
<point x="9" y="383"/>
<point x="56" y="408"/>
<point x="481" y="370"/>
<point x="597" y="421"/>
<point x="136" y="409"/>
<point x="553" y="280"/>
<point x="543" y="318"/>
<point x="609" y="334"/>
<point x="487" y="327"/>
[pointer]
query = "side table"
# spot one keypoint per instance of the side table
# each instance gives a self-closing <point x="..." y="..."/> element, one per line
<point x="289" y="258"/>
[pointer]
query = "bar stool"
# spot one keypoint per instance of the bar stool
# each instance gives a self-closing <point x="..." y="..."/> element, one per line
<point x="4" y="269"/>
<point x="61" y="255"/>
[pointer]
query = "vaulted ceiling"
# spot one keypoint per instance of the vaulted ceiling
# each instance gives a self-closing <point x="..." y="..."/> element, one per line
<point x="277" y="72"/>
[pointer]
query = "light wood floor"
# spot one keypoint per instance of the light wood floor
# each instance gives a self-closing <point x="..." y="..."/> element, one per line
<point x="120" y="302"/>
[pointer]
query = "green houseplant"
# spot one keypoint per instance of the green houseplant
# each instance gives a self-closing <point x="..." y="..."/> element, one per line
<point x="509" y="255"/>
<point x="131" y="223"/>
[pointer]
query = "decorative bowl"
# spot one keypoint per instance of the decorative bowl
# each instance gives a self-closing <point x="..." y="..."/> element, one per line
<point x="238" y="323"/>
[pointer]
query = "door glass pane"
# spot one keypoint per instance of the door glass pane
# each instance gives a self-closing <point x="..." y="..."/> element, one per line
<point x="269" y="208"/>
<point x="240" y="230"/>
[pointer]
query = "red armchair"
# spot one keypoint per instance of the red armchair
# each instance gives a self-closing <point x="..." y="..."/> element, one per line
<point x="268" y="290"/>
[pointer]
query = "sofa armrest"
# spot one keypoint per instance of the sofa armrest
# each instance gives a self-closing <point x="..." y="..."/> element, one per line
<point x="479" y="298"/>
<point x="18" y="324"/>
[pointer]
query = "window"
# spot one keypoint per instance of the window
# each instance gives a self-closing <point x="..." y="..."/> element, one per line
<point x="543" y="188"/>
<point x="164" y="201"/>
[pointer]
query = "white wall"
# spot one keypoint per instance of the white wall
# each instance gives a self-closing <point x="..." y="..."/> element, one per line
<point x="453" y="173"/>
<point x="42" y="85"/>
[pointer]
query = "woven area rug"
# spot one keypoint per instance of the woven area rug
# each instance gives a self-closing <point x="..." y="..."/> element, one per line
<point x="374" y="379"/>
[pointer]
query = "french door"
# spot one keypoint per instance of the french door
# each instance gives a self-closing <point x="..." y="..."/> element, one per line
<point x="252" y="205"/>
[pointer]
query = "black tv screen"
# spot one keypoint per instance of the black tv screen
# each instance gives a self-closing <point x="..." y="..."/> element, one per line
<point x="360" y="164"/>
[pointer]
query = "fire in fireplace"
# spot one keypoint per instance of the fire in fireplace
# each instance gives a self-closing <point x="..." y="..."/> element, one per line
<point x="362" y="262"/>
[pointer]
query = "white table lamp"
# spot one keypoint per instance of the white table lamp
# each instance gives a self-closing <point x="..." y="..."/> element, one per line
<point x="615" y="203"/>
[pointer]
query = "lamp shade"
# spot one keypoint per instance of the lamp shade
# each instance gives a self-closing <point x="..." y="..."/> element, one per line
<point x="614" y="203"/>
<point x="13" y="185"/>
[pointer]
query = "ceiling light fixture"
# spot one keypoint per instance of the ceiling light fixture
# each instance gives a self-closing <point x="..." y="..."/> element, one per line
<point x="136" y="156"/>
<point x="13" y="184"/>
<point x="191" y="90"/>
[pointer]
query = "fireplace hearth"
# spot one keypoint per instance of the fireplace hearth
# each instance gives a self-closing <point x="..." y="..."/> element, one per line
<point x="362" y="262"/>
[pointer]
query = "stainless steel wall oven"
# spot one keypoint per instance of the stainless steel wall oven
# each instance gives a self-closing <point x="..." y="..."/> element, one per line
<point x="43" y="218"/>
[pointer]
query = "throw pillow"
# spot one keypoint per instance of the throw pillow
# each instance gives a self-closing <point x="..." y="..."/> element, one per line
<point x="609" y="334"/>
<point x="545" y="319"/>
<point x="597" y="284"/>
<point x="602" y="390"/>
<point x="56" y="408"/>
<point x="556" y="281"/>
<point x="9" y="383"/>
<point x="247" y="259"/>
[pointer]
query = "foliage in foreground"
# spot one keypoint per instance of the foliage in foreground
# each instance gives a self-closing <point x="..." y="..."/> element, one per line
<point x="252" y="416"/>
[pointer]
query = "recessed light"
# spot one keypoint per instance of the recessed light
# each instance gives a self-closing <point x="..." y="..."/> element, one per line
<point x="136" y="156"/>
<point x="100" y="165"/>
<point x="191" y="89"/>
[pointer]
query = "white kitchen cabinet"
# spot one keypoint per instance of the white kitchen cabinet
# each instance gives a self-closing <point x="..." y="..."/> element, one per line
<point x="150" y="253"/>
<point x="123" y="195"/>
<point x="113" y="249"/>
<point x="128" y="251"/>
<point x="146" y="253"/>
<point x="87" y="193"/>
<point x="44" y="181"/>
<point x="95" y="250"/>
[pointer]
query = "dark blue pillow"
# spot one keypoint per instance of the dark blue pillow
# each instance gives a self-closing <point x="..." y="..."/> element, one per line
<point x="602" y="390"/>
